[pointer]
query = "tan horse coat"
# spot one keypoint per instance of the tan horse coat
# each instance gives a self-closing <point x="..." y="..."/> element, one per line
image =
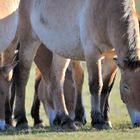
<point x="82" y="30"/>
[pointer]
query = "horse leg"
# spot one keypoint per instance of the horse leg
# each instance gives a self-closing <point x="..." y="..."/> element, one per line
<point x="78" y="77"/>
<point x="46" y="98"/>
<point x="36" y="102"/>
<point x="57" y="74"/>
<point x="2" y="112"/>
<point x="50" y="112"/>
<point x="94" y="67"/>
<point x="27" y="53"/>
<point x="7" y="58"/>
<point x="69" y="92"/>
<point x="8" y="112"/>
<point x="53" y="74"/>
<point x="109" y="74"/>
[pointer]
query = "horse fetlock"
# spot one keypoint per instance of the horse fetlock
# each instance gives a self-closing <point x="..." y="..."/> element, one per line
<point x="22" y="122"/>
<point x="9" y="121"/>
<point x="68" y="123"/>
<point x="38" y="125"/>
<point x="35" y="115"/>
<point x="64" y="121"/>
<point x="80" y="116"/>
<point x="38" y="122"/>
<point x="57" y="120"/>
<point x="97" y="119"/>
<point x="61" y="118"/>
<point x="22" y="126"/>
<point x="108" y="125"/>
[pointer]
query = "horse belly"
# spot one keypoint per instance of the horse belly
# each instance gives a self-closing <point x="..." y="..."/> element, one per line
<point x="63" y="42"/>
<point x="60" y="34"/>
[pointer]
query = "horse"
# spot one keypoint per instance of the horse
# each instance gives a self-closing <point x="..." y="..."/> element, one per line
<point x="131" y="99"/>
<point x="8" y="30"/>
<point x="90" y="30"/>
<point x="74" y="78"/>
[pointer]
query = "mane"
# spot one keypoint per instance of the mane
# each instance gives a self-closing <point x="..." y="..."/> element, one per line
<point x="131" y="60"/>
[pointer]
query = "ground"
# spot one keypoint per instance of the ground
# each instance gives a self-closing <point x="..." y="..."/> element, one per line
<point x="118" y="114"/>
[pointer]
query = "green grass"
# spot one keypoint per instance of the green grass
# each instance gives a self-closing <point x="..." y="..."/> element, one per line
<point x="138" y="6"/>
<point x="118" y="115"/>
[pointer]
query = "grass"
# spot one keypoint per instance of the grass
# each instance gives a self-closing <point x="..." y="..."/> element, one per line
<point x="118" y="115"/>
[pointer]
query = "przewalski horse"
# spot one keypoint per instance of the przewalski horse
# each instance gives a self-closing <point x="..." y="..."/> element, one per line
<point x="8" y="29"/>
<point x="82" y="30"/>
<point x="130" y="94"/>
<point x="72" y="93"/>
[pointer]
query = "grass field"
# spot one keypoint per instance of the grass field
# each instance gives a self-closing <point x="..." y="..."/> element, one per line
<point x="118" y="115"/>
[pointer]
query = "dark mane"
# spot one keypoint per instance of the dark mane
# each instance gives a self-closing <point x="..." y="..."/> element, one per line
<point x="131" y="60"/>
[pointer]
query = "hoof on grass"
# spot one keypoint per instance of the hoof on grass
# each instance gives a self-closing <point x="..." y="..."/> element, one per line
<point x="39" y="125"/>
<point x="23" y="126"/>
<point x="70" y="126"/>
<point x="103" y="126"/>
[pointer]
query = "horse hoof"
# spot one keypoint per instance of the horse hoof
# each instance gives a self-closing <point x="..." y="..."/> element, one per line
<point x="81" y="121"/>
<point x="39" y="125"/>
<point x="9" y="126"/>
<point x="71" y="126"/>
<point x="79" y="124"/>
<point x="108" y="125"/>
<point x="23" y="126"/>
<point x="103" y="126"/>
<point x="67" y="123"/>
<point x="80" y="116"/>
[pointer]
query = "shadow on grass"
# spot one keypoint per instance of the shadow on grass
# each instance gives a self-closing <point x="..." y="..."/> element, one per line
<point x="47" y="130"/>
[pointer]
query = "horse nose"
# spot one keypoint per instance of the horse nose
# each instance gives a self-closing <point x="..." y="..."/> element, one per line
<point x="135" y="118"/>
<point x="137" y="124"/>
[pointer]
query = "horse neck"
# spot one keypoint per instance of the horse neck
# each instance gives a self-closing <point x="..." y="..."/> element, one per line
<point x="124" y="33"/>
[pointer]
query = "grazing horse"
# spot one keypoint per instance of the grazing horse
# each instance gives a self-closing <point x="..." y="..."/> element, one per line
<point x="89" y="30"/>
<point x="8" y="29"/>
<point x="130" y="94"/>
<point x="72" y="93"/>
